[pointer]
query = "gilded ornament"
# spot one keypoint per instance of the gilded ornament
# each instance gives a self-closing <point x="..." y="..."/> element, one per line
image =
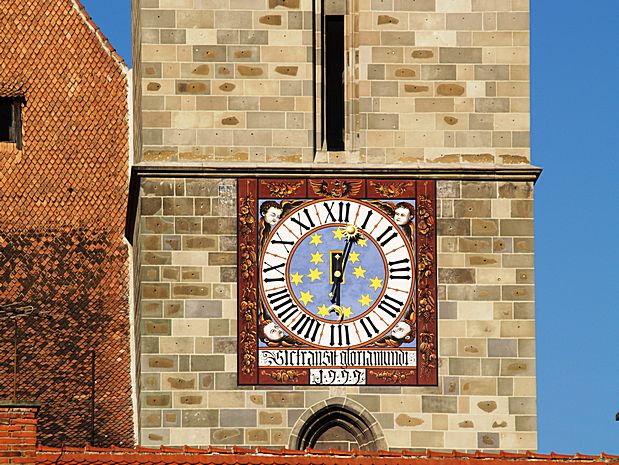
<point x="336" y="188"/>
<point x="391" y="189"/>
<point x="283" y="189"/>
<point x="283" y="376"/>
<point x="395" y="376"/>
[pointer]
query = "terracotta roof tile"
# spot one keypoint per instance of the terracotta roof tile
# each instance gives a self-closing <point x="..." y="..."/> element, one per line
<point x="262" y="456"/>
<point x="63" y="203"/>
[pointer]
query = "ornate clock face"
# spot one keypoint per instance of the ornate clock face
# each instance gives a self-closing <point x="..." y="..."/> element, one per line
<point x="336" y="273"/>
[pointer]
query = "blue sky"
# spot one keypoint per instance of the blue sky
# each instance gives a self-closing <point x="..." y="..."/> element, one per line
<point x="575" y="132"/>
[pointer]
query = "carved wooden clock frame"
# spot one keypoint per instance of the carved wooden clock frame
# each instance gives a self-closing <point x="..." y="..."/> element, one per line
<point x="280" y="340"/>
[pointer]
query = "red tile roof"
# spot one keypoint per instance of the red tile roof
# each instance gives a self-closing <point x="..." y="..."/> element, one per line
<point x="263" y="456"/>
<point x="63" y="200"/>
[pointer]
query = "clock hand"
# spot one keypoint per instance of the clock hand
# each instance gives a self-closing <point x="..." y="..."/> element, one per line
<point x="335" y="293"/>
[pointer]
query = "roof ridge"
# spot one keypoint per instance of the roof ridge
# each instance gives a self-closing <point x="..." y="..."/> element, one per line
<point x="77" y="4"/>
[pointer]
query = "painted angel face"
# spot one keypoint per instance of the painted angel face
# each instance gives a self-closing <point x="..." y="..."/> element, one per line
<point x="402" y="216"/>
<point x="273" y="215"/>
<point x="273" y="332"/>
<point x="400" y="330"/>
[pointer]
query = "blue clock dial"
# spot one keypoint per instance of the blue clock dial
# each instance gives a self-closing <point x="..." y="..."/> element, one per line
<point x="335" y="273"/>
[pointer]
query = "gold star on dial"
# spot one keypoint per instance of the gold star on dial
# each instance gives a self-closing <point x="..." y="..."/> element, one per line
<point x="365" y="300"/>
<point x="376" y="283"/>
<point x="363" y="242"/>
<point x="353" y="257"/>
<point x="317" y="258"/>
<point x="306" y="297"/>
<point x="314" y="274"/>
<point x="346" y="312"/>
<point x="296" y="278"/>
<point x="338" y="234"/>
<point x="316" y="239"/>
<point x="323" y="310"/>
<point x="359" y="272"/>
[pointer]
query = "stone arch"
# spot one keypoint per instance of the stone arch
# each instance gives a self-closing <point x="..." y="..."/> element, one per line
<point x="337" y="417"/>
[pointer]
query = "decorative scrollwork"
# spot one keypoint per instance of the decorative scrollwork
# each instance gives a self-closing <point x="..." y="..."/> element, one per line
<point x="248" y="343"/>
<point x="425" y="218"/>
<point x="391" y="189"/>
<point x="427" y="305"/>
<point x="247" y="218"/>
<point x="427" y="349"/>
<point x="283" y="188"/>
<point x="425" y="265"/>
<point x="392" y="376"/>
<point x="336" y="188"/>
<point x="283" y="376"/>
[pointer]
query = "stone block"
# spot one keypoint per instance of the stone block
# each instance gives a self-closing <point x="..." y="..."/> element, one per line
<point x="488" y="440"/>
<point x="191" y="290"/>
<point x="221" y="258"/>
<point x="472" y="347"/>
<point x="201" y="418"/>
<point x="156" y="400"/>
<point x="156" y="363"/>
<point x="475" y="244"/>
<point x="516" y="227"/>
<point x="484" y="227"/>
<point x="491" y="367"/>
<point x="460" y="55"/>
<point x="464" y="21"/>
<point x="518" y="328"/>
<point x="522" y="405"/>
<point x="156" y="327"/>
<point x="518" y="292"/>
<point x="478" y="386"/>
<point x="457" y="276"/>
<point x="439" y="404"/>
<point x="502" y="347"/>
<point x="438" y="72"/>
<point x="453" y="227"/>
<point x="227" y="436"/>
<point x="473" y="292"/>
<point x="203" y="309"/>
<point x="428" y="439"/>
<point x="491" y="72"/>
<point x="524" y="310"/>
<point x="518" y="367"/>
<point x="513" y="21"/>
<point x="464" y="366"/>
<point x="510" y="190"/>
<point x="417" y="5"/>
<point x="282" y="399"/>
<point x="207" y="363"/>
<point x="237" y="417"/>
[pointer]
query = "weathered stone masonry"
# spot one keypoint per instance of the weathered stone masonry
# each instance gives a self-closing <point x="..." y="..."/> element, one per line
<point x="486" y="394"/>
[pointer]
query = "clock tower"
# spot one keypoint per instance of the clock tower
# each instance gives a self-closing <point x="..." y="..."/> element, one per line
<point x="332" y="220"/>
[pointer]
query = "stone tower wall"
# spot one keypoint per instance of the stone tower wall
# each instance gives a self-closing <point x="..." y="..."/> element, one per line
<point x="436" y="84"/>
<point x="440" y="81"/>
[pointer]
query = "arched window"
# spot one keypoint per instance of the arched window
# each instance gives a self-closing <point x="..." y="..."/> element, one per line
<point x="338" y="426"/>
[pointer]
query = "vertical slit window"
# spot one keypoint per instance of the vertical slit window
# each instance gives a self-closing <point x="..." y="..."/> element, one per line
<point x="333" y="87"/>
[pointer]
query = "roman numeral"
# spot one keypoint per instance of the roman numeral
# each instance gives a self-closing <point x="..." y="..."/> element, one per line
<point x="285" y="305"/>
<point x="340" y="335"/>
<point x="367" y="218"/>
<point x="368" y="325"/>
<point x="269" y="268"/>
<point x="329" y="209"/>
<point x="309" y="324"/>
<point x="343" y="212"/>
<point x="401" y="272"/>
<point x="386" y="305"/>
<point x="303" y="226"/>
<point x="388" y="239"/>
<point x="282" y="242"/>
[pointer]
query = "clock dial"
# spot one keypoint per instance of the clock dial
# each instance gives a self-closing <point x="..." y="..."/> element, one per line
<point x="336" y="273"/>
